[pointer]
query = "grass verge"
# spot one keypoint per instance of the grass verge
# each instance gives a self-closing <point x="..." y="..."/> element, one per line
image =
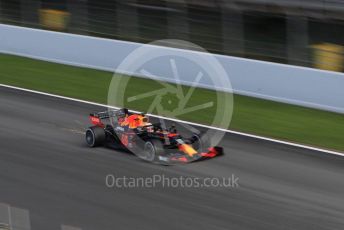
<point x="251" y="115"/>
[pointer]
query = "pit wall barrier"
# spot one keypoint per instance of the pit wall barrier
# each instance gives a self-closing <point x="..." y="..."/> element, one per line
<point x="301" y="86"/>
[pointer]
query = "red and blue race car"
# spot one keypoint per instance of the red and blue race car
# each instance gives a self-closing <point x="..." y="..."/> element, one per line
<point x="125" y="130"/>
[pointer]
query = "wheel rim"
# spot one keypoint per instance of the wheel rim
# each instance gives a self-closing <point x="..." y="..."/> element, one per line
<point x="149" y="152"/>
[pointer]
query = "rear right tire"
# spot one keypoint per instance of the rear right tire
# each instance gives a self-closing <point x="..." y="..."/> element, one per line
<point x="95" y="136"/>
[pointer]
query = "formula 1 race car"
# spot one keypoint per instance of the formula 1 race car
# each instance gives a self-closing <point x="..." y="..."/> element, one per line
<point x="125" y="130"/>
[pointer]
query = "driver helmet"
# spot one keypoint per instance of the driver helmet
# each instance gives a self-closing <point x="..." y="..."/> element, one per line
<point x="123" y="112"/>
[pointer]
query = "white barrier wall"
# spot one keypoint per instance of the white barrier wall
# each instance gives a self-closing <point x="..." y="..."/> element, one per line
<point x="284" y="83"/>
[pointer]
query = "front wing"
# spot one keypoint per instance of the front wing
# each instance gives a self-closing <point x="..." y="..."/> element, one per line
<point x="174" y="158"/>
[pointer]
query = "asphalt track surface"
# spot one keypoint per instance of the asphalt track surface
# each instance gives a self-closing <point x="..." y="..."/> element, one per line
<point x="46" y="168"/>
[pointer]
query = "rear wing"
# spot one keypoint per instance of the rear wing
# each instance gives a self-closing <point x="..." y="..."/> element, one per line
<point x="96" y="118"/>
<point x="105" y="114"/>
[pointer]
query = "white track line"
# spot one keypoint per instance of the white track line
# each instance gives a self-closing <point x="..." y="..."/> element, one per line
<point x="181" y="121"/>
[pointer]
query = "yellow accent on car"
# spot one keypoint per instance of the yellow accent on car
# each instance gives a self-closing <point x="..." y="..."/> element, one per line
<point x="188" y="150"/>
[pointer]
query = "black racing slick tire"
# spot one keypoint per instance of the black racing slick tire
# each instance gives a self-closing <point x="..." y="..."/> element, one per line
<point x="152" y="150"/>
<point x="95" y="136"/>
<point x="200" y="142"/>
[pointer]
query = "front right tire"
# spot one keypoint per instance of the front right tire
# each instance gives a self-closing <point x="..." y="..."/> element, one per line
<point x="152" y="150"/>
<point x="200" y="142"/>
